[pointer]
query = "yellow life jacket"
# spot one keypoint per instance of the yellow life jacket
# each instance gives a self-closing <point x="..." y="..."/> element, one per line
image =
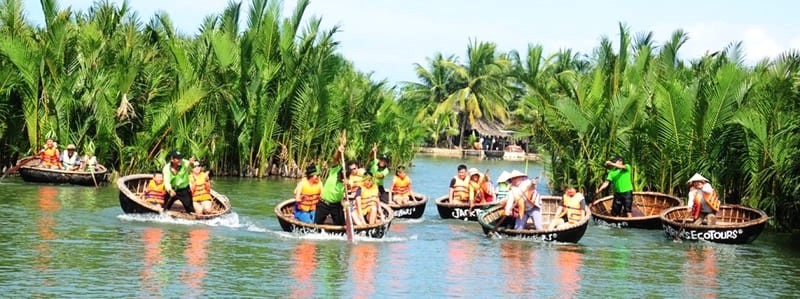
<point x="155" y="193"/>
<point x="200" y="192"/>
<point x="50" y="157"/>
<point x="369" y="198"/>
<point x="354" y="181"/>
<point x="309" y="195"/>
<point x="475" y="189"/>
<point x="572" y="207"/>
<point x="711" y="199"/>
<point x="461" y="189"/>
<point x="400" y="187"/>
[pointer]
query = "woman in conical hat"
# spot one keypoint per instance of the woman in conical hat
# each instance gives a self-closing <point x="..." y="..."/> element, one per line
<point x="703" y="200"/>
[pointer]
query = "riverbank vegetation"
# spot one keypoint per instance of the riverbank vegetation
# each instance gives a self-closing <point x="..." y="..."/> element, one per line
<point x="274" y="95"/>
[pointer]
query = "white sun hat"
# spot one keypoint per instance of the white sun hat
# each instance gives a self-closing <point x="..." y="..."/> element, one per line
<point x="697" y="177"/>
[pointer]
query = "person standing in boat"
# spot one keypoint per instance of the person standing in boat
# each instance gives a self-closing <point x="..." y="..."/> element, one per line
<point x="333" y="191"/>
<point x="459" y="186"/>
<point x="571" y="211"/>
<point x="306" y="195"/>
<point x="379" y="167"/>
<point x="176" y="179"/>
<point x="401" y="187"/>
<point x="524" y="201"/>
<point x="367" y="199"/>
<point x="200" y="185"/>
<point x="620" y="176"/>
<point x="703" y="200"/>
<point x="156" y="191"/>
<point x="70" y="159"/>
<point x="50" y="155"/>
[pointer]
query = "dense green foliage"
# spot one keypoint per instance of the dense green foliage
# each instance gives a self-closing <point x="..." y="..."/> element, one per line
<point x="243" y="99"/>
<point x="669" y="118"/>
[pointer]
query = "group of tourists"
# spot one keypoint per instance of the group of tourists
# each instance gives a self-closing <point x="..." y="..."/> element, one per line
<point x="52" y="158"/>
<point x="471" y="186"/>
<point x="361" y="185"/>
<point x="183" y="180"/>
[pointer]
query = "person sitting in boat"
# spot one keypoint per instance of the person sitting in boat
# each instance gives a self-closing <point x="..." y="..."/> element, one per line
<point x="459" y="186"/>
<point x="379" y="167"/>
<point x="89" y="161"/>
<point x="571" y="211"/>
<point x="401" y="187"/>
<point x="201" y="190"/>
<point x="50" y="155"/>
<point x="70" y="159"/>
<point x="524" y="201"/>
<point x="502" y="186"/>
<point x="355" y="176"/>
<point x="474" y="187"/>
<point x="333" y="191"/>
<point x="486" y="188"/>
<point x="703" y="200"/>
<point x="156" y="192"/>
<point x="306" y="195"/>
<point x="367" y="199"/>
<point x="176" y="179"/>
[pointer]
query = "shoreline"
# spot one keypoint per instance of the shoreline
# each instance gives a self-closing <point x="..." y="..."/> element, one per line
<point x="458" y="153"/>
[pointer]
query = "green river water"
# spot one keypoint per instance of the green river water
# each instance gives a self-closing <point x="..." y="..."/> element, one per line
<point x="69" y="241"/>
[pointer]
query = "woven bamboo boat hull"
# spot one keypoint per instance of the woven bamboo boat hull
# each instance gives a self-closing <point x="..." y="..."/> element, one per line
<point x="461" y="211"/>
<point x="735" y="225"/>
<point x="647" y="207"/>
<point x="132" y="187"/>
<point x="285" y="213"/>
<point x="412" y="210"/>
<point x="31" y="172"/>
<point x="570" y="234"/>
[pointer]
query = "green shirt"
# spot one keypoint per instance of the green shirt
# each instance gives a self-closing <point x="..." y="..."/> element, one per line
<point x="333" y="189"/>
<point x="379" y="175"/>
<point x="179" y="180"/>
<point x="621" y="178"/>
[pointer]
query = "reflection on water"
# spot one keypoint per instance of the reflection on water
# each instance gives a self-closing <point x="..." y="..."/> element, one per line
<point x="517" y="267"/>
<point x="150" y="283"/>
<point x="569" y="262"/>
<point x="700" y="273"/>
<point x="459" y="258"/>
<point x="365" y="258"/>
<point x="48" y="205"/>
<point x="397" y="260"/>
<point x="304" y="266"/>
<point x="196" y="253"/>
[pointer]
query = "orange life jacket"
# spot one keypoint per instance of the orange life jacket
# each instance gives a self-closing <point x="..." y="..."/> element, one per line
<point x="572" y="207"/>
<point x="155" y="193"/>
<point x="200" y="192"/>
<point x="461" y="189"/>
<point x="487" y="196"/>
<point x="520" y="204"/>
<point x="400" y="187"/>
<point x="50" y="157"/>
<point x="369" y="198"/>
<point x="309" y="195"/>
<point x="475" y="188"/>
<point x="711" y="199"/>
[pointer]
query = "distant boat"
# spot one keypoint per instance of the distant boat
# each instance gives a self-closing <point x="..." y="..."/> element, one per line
<point x="493" y="154"/>
<point x="647" y="207"/>
<point x="735" y="225"/>
<point x="131" y="192"/>
<point x="285" y="213"/>
<point x="550" y="204"/>
<point x="461" y="210"/>
<point x="31" y="172"/>
<point x="413" y="210"/>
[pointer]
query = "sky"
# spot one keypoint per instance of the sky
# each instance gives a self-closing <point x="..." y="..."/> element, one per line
<point x="387" y="37"/>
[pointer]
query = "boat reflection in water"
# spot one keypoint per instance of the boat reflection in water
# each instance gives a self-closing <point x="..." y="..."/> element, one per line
<point x="701" y="273"/>
<point x="196" y="253"/>
<point x="304" y="264"/>
<point x="569" y="261"/>
<point x="150" y="283"/>
<point x="365" y="258"/>
<point x="48" y="205"/>
<point x="398" y="260"/>
<point x="519" y="268"/>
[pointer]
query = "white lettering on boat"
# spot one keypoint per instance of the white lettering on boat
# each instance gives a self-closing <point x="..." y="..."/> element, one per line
<point x="709" y="235"/>
<point x="542" y="237"/>
<point x="460" y="213"/>
<point x="403" y="212"/>
<point x="604" y="223"/>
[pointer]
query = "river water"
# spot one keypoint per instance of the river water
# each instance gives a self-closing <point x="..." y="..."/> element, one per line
<point x="67" y="241"/>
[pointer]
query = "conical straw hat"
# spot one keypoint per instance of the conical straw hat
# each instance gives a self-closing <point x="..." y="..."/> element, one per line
<point x="697" y="177"/>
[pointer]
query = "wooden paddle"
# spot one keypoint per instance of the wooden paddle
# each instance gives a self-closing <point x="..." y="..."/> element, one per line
<point x="16" y="167"/>
<point x="348" y="218"/>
